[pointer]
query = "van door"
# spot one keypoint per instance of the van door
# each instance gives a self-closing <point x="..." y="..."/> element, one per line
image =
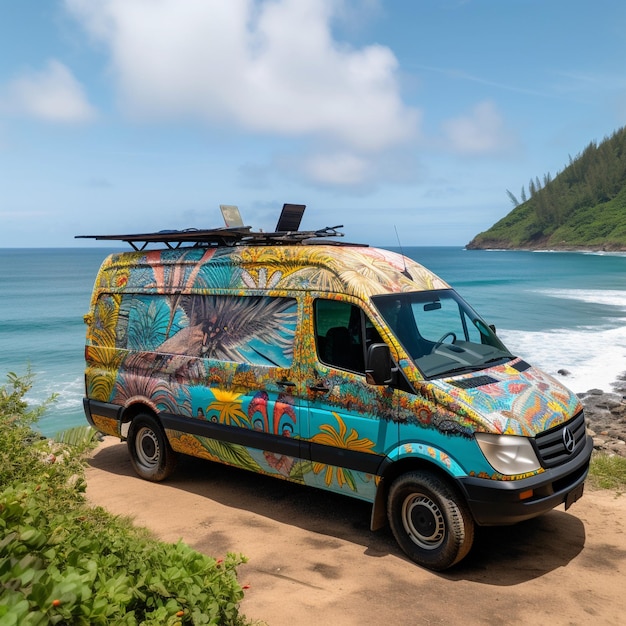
<point x="236" y="397"/>
<point x="350" y="422"/>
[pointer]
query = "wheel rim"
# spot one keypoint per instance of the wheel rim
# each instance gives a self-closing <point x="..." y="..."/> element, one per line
<point x="423" y="521"/>
<point x="147" y="448"/>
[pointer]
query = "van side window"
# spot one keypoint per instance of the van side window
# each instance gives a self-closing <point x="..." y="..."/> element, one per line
<point x="258" y="330"/>
<point x="339" y="334"/>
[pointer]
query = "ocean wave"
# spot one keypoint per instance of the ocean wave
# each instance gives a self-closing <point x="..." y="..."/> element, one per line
<point x="604" y="297"/>
<point x="69" y="393"/>
<point x="66" y="411"/>
<point x="604" y="253"/>
<point x="593" y="358"/>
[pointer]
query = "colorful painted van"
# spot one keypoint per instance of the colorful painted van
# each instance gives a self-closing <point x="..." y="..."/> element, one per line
<point x="345" y="367"/>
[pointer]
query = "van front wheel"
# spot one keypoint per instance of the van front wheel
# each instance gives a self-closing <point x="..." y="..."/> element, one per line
<point x="150" y="453"/>
<point x="429" y="521"/>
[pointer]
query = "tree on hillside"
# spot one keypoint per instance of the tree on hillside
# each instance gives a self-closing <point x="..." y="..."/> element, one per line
<point x="593" y="178"/>
<point x="512" y="198"/>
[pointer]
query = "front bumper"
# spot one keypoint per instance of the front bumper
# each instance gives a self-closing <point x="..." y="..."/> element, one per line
<point x="498" y="502"/>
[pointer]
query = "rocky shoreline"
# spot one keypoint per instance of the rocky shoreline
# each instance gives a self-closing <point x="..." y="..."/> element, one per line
<point x="605" y="413"/>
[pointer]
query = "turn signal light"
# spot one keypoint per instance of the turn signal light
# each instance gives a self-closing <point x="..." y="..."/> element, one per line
<point x="526" y="494"/>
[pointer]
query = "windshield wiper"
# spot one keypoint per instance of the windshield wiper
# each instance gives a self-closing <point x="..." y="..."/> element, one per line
<point x="475" y="367"/>
<point x="503" y="358"/>
<point x="463" y="369"/>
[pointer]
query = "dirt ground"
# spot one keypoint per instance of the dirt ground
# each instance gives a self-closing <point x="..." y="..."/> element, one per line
<point x="313" y="559"/>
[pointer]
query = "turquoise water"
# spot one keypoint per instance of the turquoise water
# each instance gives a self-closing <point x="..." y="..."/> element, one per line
<point x="557" y="310"/>
<point x="44" y="294"/>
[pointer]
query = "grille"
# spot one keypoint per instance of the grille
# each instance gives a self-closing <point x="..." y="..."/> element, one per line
<point x="521" y="366"/>
<point x="551" y="444"/>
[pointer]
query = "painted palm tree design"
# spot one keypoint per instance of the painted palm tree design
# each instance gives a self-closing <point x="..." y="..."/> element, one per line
<point x="152" y="322"/>
<point x="137" y="382"/>
<point x="225" y="327"/>
<point x="340" y="439"/>
<point x="228" y="407"/>
<point x="287" y="270"/>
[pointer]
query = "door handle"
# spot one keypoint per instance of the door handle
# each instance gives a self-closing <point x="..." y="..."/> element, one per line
<point x="285" y="383"/>
<point x="319" y="388"/>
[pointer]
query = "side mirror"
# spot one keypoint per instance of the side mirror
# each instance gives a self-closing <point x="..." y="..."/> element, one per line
<point x="379" y="369"/>
<point x="481" y="327"/>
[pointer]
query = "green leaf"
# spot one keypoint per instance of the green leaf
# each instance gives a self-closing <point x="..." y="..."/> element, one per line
<point x="232" y="454"/>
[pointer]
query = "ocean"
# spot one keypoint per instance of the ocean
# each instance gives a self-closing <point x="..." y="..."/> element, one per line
<point x="558" y="310"/>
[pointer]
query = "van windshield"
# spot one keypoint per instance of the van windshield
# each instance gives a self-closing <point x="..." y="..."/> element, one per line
<point x="441" y="332"/>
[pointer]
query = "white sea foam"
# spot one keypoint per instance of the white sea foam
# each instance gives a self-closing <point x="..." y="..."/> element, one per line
<point x="605" y="297"/>
<point x="67" y="408"/>
<point x="69" y="390"/>
<point x="594" y="358"/>
<point x="603" y="253"/>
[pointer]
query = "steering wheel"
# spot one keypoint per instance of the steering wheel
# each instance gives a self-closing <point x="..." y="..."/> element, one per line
<point x="450" y="334"/>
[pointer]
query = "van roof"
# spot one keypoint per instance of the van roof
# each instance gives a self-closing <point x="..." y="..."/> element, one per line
<point x="360" y="271"/>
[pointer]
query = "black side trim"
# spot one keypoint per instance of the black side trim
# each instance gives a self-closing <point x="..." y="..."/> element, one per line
<point x="233" y="434"/>
<point x="348" y="459"/>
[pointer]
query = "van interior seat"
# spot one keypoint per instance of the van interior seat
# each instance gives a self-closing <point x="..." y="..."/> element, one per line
<point x="340" y="351"/>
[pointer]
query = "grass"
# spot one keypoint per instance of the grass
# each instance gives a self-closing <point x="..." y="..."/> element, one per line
<point x="608" y="472"/>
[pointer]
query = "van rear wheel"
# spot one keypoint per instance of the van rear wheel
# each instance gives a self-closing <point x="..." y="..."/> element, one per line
<point x="150" y="453"/>
<point x="430" y="522"/>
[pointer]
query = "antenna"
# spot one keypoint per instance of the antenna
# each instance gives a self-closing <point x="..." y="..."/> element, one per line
<point x="405" y="271"/>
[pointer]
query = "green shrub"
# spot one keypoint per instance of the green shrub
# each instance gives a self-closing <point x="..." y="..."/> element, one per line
<point x="63" y="562"/>
<point x="79" y="436"/>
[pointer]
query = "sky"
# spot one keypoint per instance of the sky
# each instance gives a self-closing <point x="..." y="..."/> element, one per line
<point x="402" y="120"/>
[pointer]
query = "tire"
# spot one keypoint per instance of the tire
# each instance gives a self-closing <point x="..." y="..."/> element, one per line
<point x="429" y="521"/>
<point x="150" y="453"/>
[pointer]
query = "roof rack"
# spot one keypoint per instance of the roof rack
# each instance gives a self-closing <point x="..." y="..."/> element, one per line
<point x="233" y="234"/>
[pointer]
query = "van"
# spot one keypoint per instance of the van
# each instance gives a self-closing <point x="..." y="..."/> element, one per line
<point x="339" y="366"/>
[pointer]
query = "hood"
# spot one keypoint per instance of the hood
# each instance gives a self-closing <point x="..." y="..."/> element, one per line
<point x="514" y="399"/>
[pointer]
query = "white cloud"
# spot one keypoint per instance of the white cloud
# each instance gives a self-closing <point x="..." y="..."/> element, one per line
<point x="52" y="94"/>
<point x="481" y="132"/>
<point x="258" y="66"/>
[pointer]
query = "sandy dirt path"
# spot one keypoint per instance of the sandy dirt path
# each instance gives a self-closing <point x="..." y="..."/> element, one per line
<point x="313" y="559"/>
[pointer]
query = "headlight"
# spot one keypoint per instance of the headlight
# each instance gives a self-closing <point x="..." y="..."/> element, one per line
<point x="508" y="454"/>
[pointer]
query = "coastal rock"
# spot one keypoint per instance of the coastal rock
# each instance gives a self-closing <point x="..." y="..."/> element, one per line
<point x="605" y="413"/>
